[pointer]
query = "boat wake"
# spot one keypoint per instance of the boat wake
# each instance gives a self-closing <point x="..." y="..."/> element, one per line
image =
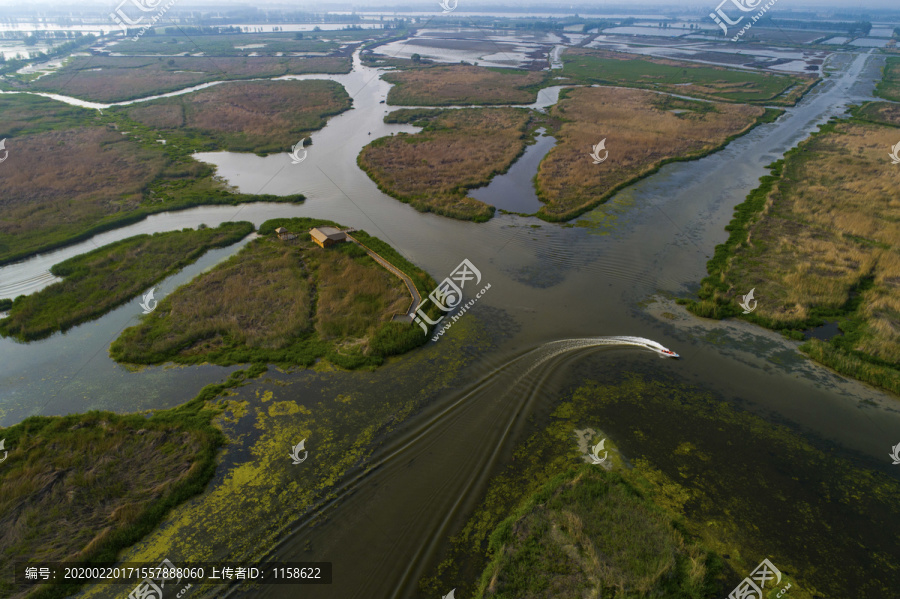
<point x="663" y="351"/>
<point x="493" y="411"/>
<point x="555" y="348"/>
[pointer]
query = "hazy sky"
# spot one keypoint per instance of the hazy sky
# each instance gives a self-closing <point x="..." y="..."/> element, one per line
<point x="318" y="5"/>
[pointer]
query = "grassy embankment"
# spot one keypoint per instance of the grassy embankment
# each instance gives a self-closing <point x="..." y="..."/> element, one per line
<point x="819" y="240"/>
<point x="643" y="131"/>
<point x="889" y="86"/>
<point x="260" y="116"/>
<point x="457" y="150"/>
<point x="693" y="511"/>
<point x="462" y="85"/>
<point x="280" y="302"/>
<point x="82" y="488"/>
<point x="98" y="281"/>
<point x="589" y="66"/>
<point x="120" y="78"/>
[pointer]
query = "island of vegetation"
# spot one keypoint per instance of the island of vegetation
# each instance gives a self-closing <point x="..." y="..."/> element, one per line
<point x="461" y="149"/>
<point x="643" y="131"/>
<point x="457" y="150"/>
<point x="100" y="280"/>
<point x="587" y="66"/>
<point x="818" y="242"/>
<point x="115" y="168"/>
<point x="283" y="299"/>
<point x="81" y="488"/>
<point x="257" y="116"/>
<point x="671" y="513"/>
<point x="174" y="58"/>
<point x="105" y="173"/>
<point x="447" y="85"/>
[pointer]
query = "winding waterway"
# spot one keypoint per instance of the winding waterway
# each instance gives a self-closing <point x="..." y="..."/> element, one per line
<point x="552" y="287"/>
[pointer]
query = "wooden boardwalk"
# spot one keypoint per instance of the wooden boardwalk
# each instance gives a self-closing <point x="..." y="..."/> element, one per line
<point x="416" y="298"/>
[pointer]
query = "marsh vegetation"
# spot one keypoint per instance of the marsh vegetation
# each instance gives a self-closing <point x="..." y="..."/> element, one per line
<point x="694" y="501"/>
<point x="257" y="116"/>
<point x="81" y="488"/>
<point x="457" y="150"/>
<point x="120" y="78"/>
<point x="98" y="281"/>
<point x="462" y="85"/>
<point x="592" y="66"/>
<point x="643" y="130"/>
<point x="288" y="302"/>
<point x="107" y="171"/>
<point x="818" y="241"/>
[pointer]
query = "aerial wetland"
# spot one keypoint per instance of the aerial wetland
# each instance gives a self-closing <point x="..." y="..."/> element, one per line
<point x="462" y="463"/>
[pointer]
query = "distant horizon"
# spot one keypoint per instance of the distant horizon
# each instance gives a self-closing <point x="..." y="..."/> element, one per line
<point x="471" y="5"/>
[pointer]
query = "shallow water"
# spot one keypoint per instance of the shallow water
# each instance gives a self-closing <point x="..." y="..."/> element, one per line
<point x="514" y="190"/>
<point x="824" y="332"/>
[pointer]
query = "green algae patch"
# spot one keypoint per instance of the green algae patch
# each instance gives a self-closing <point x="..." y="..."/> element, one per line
<point x="735" y="486"/>
<point x="286" y="408"/>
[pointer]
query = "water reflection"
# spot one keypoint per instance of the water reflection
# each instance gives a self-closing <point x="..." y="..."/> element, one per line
<point x="514" y="191"/>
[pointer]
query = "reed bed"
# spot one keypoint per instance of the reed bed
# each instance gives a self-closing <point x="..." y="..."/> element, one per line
<point x="824" y="245"/>
<point x="98" y="281"/>
<point x="120" y="78"/>
<point x="462" y="85"/>
<point x="258" y="116"/>
<point x="643" y="130"/>
<point x="94" y="174"/>
<point x="279" y="301"/>
<point x="594" y="66"/>
<point x="458" y="150"/>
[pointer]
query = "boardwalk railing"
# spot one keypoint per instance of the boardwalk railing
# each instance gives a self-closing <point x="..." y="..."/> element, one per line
<point x="413" y="292"/>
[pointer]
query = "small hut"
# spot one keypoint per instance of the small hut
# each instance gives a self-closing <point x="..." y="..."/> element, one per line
<point x="326" y="236"/>
<point x="284" y="234"/>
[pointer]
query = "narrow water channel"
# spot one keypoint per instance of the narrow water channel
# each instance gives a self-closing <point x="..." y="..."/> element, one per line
<point x="513" y="191"/>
